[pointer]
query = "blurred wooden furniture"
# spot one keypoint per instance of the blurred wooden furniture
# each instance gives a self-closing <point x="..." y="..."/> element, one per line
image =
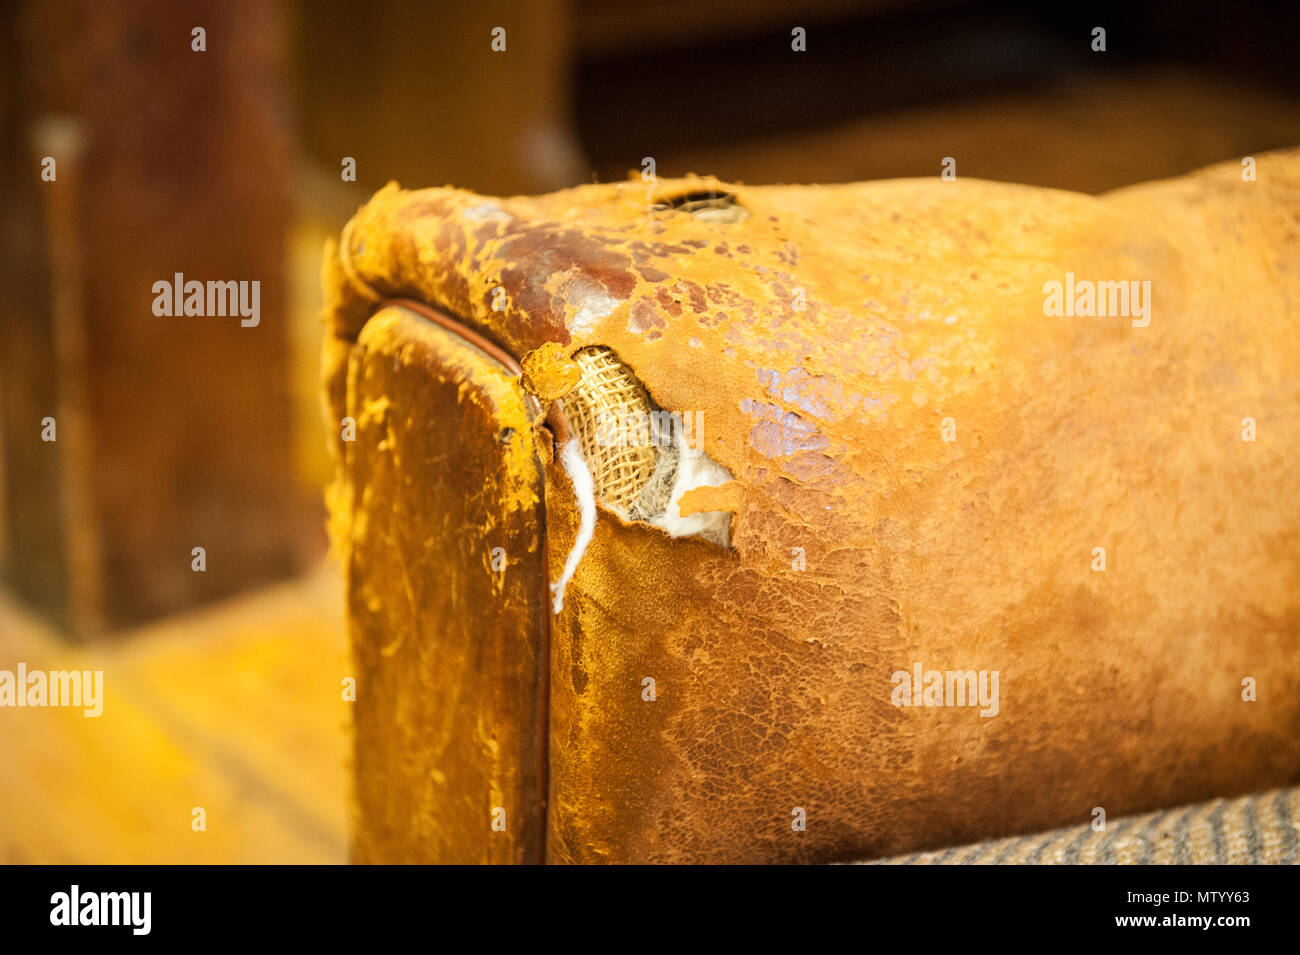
<point x="171" y="432"/>
<point x="417" y="92"/>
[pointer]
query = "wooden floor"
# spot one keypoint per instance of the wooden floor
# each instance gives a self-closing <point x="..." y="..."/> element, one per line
<point x="237" y="709"/>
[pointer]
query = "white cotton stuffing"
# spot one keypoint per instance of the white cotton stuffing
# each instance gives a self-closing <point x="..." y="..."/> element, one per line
<point x="585" y="491"/>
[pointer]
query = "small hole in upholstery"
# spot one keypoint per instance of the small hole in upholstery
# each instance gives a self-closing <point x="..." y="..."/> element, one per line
<point x="711" y="205"/>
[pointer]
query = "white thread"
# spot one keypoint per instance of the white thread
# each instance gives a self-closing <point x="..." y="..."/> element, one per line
<point x="585" y="490"/>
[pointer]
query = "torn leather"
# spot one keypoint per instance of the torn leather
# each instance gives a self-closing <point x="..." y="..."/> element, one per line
<point x="922" y="465"/>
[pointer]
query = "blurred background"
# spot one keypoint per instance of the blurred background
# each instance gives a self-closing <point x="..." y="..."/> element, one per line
<point x="224" y="686"/>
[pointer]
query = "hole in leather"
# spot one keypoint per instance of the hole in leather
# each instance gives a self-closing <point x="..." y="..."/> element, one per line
<point x="711" y="205"/>
<point x="639" y="458"/>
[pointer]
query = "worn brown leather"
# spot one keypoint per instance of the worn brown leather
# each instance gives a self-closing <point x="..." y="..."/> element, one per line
<point x="924" y="301"/>
<point x="440" y="516"/>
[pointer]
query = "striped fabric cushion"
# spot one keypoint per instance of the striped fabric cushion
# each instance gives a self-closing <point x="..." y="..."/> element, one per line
<point x="1256" y="830"/>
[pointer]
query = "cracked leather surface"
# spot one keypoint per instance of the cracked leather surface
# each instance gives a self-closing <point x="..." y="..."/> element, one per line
<point x="862" y="541"/>
<point x="438" y="515"/>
